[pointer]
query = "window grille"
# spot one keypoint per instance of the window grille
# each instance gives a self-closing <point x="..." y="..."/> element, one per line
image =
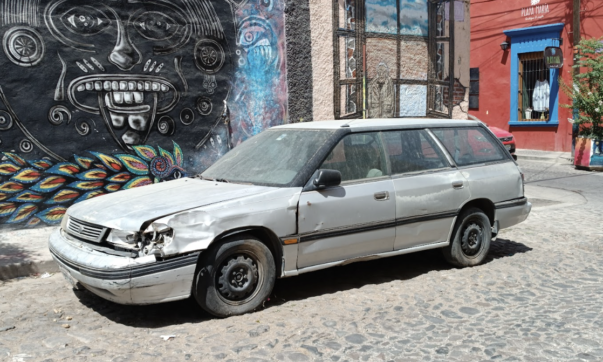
<point x="398" y="67"/>
<point x="534" y="87"/>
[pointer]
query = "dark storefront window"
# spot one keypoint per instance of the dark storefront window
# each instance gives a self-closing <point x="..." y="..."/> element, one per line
<point x="474" y="88"/>
<point x="534" y="91"/>
<point x="392" y="58"/>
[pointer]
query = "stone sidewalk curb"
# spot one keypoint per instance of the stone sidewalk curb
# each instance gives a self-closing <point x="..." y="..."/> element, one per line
<point x="544" y="156"/>
<point x="25" y="252"/>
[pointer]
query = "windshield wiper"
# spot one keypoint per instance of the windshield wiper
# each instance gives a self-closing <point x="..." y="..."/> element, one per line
<point x="222" y="180"/>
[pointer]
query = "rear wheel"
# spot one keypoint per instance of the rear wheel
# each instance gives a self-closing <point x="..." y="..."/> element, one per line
<point x="235" y="276"/>
<point x="470" y="239"/>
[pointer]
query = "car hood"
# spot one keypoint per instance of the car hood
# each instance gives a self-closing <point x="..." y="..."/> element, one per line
<point x="499" y="132"/>
<point x="129" y="209"/>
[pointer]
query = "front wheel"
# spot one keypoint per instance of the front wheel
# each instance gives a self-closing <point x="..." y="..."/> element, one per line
<point x="235" y="276"/>
<point x="470" y="239"/>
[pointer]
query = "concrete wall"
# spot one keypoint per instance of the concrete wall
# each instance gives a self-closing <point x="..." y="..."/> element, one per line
<point x="321" y="30"/>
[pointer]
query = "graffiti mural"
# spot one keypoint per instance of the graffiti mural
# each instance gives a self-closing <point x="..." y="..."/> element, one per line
<point x="260" y="89"/>
<point x="111" y="77"/>
<point x="39" y="191"/>
<point x="381" y="94"/>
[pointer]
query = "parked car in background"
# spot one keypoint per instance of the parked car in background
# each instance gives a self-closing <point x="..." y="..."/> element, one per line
<point x="505" y="137"/>
<point x="291" y="200"/>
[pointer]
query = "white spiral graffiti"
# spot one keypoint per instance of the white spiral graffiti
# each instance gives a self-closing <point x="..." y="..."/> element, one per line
<point x="25" y="146"/>
<point x="58" y="114"/>
<point x="166" y="126"/>
<point x="6" y="121"/>
<point x="82" y="127"/>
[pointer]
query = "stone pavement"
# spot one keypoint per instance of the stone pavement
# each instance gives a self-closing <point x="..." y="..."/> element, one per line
<point x="539" y="297"/>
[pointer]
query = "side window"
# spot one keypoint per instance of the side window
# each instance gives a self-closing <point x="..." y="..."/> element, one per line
<point x="470" y="146"/>
<point x="357" y="156"/>
<point x="412" y="151"/>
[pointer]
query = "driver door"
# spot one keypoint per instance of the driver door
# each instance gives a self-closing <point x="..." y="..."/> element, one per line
<point x="356" y="218"/>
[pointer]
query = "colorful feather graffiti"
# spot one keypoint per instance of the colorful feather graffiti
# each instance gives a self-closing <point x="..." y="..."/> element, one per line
<point x="40" y="191"/>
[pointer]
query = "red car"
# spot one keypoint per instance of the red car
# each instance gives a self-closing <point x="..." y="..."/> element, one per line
<point x="504" y="136"/>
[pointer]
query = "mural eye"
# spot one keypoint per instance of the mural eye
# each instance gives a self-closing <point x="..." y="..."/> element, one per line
<point x="156" y="26"/>
<point x="266" y="4"/>
<point x="177" y="174"/>
<point x="85" y="20"/>
<point x="251" y="35"/>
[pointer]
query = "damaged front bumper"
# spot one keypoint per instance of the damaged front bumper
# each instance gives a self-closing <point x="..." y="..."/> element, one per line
<point x="121" y="279"/>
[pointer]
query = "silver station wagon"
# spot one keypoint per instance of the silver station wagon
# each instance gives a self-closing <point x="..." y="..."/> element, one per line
<point x="291" y="200"/>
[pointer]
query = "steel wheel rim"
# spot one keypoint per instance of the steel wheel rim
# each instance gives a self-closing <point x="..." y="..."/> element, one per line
<point x="472" y="238"/>
<point x="239" y="278"/>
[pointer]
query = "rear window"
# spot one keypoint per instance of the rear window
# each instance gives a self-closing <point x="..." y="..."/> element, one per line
<point x="470" y="145"/>
<point x="412" y="151"/>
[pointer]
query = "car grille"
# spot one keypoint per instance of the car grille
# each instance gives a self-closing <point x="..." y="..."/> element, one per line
<point x="85" y="231"/>
<point x="506" y="139"/>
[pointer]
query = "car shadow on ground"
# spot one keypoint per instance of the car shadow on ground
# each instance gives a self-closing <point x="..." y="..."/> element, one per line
<point x="327" y="281"/>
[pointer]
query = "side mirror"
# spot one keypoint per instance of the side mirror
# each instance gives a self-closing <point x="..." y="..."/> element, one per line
<point x="326" y="178"/>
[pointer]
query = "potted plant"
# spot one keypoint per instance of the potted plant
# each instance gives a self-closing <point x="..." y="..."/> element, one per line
<point x="586" y="92"/>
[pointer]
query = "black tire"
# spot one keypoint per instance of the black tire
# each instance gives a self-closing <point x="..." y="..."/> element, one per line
<point x="470" y="239"/>
<point x="234" y="276"/>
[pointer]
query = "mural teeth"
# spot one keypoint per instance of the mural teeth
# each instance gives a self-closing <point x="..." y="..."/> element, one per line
<point x="107" y="85"/>
<point x="98" y="86"/>
<point x="118" y="97"/>
<point x="138" y="97"/>
<point x="81" y="88"/>
<point x="89" y="86"/>
<point x="140" y="86"/>
<point x="115" y="85"/>
<point x="164" y="88"/>
<point x="128" y="97"/>
<point x="123" y="85"/>
<point x="155" y="87"/>
<point x="147" y="86"/>
<point x="132" y="86"/>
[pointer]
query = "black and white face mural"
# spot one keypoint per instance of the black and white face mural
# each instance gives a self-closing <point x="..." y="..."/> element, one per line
<point x="112" y="74"/>
<point x="100" y="96"/>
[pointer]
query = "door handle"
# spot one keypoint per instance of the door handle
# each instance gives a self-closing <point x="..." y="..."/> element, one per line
<point x="380" y="196"/>
<point x="458" y="184"/>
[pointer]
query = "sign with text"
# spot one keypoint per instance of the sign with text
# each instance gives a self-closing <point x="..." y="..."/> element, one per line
<point x="553" y="58"/>
<point x="535" y="11"/>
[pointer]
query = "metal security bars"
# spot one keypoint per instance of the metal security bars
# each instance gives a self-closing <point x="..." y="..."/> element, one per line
<point x="393" y="70"/>
<point x="534" y="88"/>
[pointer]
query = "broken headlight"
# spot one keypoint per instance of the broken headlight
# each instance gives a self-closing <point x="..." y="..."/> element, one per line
<point x="123" y="239"/>
<point x="156" y="236"/>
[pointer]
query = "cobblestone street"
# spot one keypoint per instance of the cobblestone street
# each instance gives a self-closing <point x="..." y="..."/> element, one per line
<point x="539" y="297"/>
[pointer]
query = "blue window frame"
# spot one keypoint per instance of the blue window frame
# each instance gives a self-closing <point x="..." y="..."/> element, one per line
<point x="529" y="40"/>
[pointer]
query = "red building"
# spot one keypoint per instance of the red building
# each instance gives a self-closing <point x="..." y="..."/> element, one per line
<point x="513" y="89"/>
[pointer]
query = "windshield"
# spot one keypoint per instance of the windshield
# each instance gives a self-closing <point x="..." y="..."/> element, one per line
<point x="274" y="157"/>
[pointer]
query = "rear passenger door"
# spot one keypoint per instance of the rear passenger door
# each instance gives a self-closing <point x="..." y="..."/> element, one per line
<point x="429" y="190"/>
<point x="491" y="172"/>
